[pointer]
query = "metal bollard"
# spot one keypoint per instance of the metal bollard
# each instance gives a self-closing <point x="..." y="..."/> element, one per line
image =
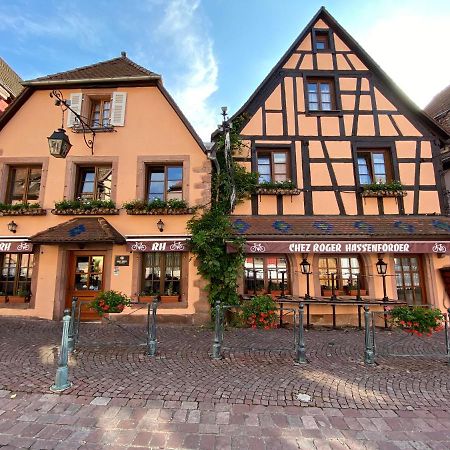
<point x="217" y="346"/>
<point x="62" y="373"/>
<point x="369" y="356"/>
<point x="447" y="339"/>
<point x="152" y="343"/>
<point x="301" y="352"/>
<point x="71" y="344"/>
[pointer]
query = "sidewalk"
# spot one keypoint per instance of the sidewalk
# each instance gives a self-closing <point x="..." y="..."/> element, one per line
<point x="121" y="398"/>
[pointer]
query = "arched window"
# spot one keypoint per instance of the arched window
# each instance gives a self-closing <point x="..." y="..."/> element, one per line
<point x="345" y="270"/>
<point x="266" y="275"/>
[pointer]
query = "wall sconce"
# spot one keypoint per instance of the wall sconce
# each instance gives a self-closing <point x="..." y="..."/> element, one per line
<point x="12" y="226"/>
<point x="160" y="225"/>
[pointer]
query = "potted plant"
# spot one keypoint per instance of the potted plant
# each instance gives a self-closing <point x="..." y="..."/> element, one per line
<point x="147" y="296"/>
<point x="108" y="302"/>
<point x="326" y="290"/>
<point x="260" y="312"/>
<point x="417" y="319"/>
<point x="170" y="296"/>
<point x="352" y="289"/>
<point x="2" y="297"/>
<point x="21" y="296"/>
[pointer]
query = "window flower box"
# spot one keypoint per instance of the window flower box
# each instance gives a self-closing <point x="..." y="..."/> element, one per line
<point x="277" y="188"/>
<point x="2" y="298"/>
<point x="147" y="297"/>
<point x="85" y="208"/>
<point x="391" y="189"/>
<point x="170" y="298"/>
<point x="21" y="209"/>
<point x="158" y="207"/>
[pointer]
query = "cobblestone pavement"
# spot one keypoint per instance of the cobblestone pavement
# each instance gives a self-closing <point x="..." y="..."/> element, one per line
<point x="250" y="399"/>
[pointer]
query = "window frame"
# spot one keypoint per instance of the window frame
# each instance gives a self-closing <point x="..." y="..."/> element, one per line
<point x="93" y="101"/>
<point x="388" y="164"/>
<point x="322" y="33"/>
<point x="17" y="284"/>
<point x="339" y="285"/>
<point x="10" y="184"/>
<point x="79" y="181"/>
<point x="148" y="168"/>
<point x="420" y="272"/>
<point x="266" y="280"/>
<point x="315" y="76"/>
<point x="260" y="151"/>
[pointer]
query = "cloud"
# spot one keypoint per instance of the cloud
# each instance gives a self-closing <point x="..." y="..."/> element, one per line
<point x="189" y="44"/>
<point x="408" y="46"/>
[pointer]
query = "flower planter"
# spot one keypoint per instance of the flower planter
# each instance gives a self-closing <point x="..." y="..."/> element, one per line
<point x="2" y="298"/>
<point x="369" y="193"/>
<point x="354" y="292"/>
<point x="159" y="211"/>
<point x="170" y="298"/>
<point x="278" y="191"/>
<point x="85" y="212"/>
<point x="146" y="298"/>
<point x="24" y="212"/>
<point x="16" y="299"/>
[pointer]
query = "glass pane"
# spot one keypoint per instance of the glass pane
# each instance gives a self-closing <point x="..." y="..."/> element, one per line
<point x="324" y="88"/>
<point x="312" y="87"/>
<point x="378" y="158"/>
<point x="95" y="282"/>
<point x="97" y="264"/>
<point x="174" y="173"/>
<point x="82" y="264"/>
<point x="157" y="174"/>
<point x="34" y="183"/>
<point x="326" y="106"/>
<point x="279" y="157"/>
<point x="414" y="264"/>
<point x="174" y="186"/>
<point x="156" y="187"/>
<point x="264" y="178"/>
<point x="312" y="97"/>
<point x="19" y="177"/>
<point x="280" y="168"/>
<point x="81" y="282"/>
<point x="320" y="45"/>
<point x="263" y="170"/>
<point x="313" y="106"/>
<point x="280" y="177"/>
<point x="263" y="159"/>
<point x="326" y="98"/>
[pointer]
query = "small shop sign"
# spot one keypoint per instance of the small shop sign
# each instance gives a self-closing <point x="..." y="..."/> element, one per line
<point x="157" y="246"/>
<point x="344" y="247"/>
<point x="15" y="247"/>
<point x="122" y="260"/>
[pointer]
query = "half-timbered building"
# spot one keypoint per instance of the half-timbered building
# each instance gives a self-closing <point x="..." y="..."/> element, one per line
<point x="349" y="173"/>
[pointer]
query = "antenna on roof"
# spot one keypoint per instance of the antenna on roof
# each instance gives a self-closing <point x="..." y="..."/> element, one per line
<point x="123" y="54"/>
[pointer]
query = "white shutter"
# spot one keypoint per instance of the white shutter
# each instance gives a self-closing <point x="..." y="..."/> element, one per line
<point x="75" y="104"/>
<point x="119" y="101"/>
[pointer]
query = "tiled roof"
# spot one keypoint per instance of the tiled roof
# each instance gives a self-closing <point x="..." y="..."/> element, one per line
<point x="439" y="108"/>
<point x="84" y="230"/>
<point x="121" y="67"/>
<point x="344" y="227"/>
<point x="9" y="79"/>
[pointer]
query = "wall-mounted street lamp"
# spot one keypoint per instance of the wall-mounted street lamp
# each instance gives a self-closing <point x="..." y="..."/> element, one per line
<point x="12" y="226"/>
<point x="381" y="270"/>
<point x="160" y="224"/>
<point x="59" y="143"/>
<point x="305" y="267"/>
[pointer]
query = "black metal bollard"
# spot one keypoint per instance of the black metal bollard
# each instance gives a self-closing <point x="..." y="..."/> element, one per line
<point x="301" y="351"/>
<point x="152" y="343"/>
<point x="62" y="373"/>
<point x="369" y="355"/>
<point x="217" y="346"/>
<point x="71" y="344"/>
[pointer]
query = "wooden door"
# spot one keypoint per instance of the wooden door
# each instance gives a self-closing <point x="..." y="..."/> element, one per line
<point x="86" y="280"/>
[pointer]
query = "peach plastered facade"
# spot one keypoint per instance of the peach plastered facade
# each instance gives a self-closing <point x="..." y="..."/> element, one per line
<point x="143" y="147"/>
<point x="343" y="157"/>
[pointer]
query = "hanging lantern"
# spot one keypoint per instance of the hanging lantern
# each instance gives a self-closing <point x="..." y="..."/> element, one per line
<point x="59" y="144"/>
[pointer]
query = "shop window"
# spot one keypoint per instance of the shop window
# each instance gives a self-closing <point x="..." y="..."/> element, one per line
<point x="321" y="94"/>
<point x="266" y="275"/>
<point x="24" y="184"/>
<point x="16" y="273"/>
<point x="165" y="182"/>
<point x="100" y="115"/>
<point x="344" y="270"/>
<point x="273" y="166"/>
<point x="94" y="183"/>
<point x="161" y="273"/>
<point x="321" y="39"/>
<point x="373" y="166"/>
<point x="408" y="277"/>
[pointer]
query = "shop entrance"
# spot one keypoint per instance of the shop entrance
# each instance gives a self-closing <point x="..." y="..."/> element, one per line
<point x="85" y="281"/>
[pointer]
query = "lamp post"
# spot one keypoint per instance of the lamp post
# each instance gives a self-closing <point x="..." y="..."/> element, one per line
<point x="305" y="267"/>
<point x="381" y="270"/>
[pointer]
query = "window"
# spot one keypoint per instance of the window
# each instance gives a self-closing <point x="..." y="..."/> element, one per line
<point x="88" y="273"/>
<point x="321" y="94"/>
<point x="344" y="268"/>
<point x="100" y="116"/>
<point x="266" y="275"/>
<point x="272" y="166"/>
<point x="373" y="166"/>
<point x="16" y="272"/>
<point x="408" y="277"/>
<point x="94" y="183"/>
<point x="165" y="183"/>
<point x="321" y="40"/>
<point x="161" y="273"/>
<point x="24" y="184"/>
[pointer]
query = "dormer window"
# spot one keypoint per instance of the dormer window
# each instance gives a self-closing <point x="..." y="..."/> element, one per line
<point x="322" y="41"/>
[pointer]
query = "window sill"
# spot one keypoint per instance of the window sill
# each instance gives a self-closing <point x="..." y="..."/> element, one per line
<point x="25" y="305"/>
<point x="108" y="129"/>
<point x="334" y="112"/>
<point x="384" y="193"/>
<point x="25" y="212"/>
<point x="159" y="211"/>
<point x="278" y="191"/>
<point x="84" y="212"/>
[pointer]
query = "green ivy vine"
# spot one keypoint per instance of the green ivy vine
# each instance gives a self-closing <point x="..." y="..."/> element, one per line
<point x="212" y="230"/>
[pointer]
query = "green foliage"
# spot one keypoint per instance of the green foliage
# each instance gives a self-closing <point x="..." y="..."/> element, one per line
<point x="392" y="186"/>
<point x="85" y="205"/>
<point x="288" y="184"/>
<point x="142" y="205"/>
<point x="18" y="206"/>
<point x="417" y="320"/>
<point x="260" y="312"/>
<point x="110" y="302"/>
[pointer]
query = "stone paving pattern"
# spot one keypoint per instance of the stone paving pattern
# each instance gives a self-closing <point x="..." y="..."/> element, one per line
<point x="121" y="398"/>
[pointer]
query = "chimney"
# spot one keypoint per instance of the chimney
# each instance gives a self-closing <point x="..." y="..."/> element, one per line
<point x="123" y="54"/>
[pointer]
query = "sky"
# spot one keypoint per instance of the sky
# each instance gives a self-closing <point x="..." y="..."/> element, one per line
<point x="214" y="53"/>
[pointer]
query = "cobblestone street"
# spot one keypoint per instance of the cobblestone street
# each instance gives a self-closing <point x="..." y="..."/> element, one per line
<point x="252" y="398"/>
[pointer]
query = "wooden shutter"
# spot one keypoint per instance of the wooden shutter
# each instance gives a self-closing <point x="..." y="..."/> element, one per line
<point x="119" y="101"/>
<point x="75" y="104"/>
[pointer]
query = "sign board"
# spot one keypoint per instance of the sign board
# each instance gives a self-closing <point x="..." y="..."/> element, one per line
<point x="15" y="247"/>
<point x="122" y="260"/>
<point x="157" y="246"/>
<point x="261" y="247"/>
